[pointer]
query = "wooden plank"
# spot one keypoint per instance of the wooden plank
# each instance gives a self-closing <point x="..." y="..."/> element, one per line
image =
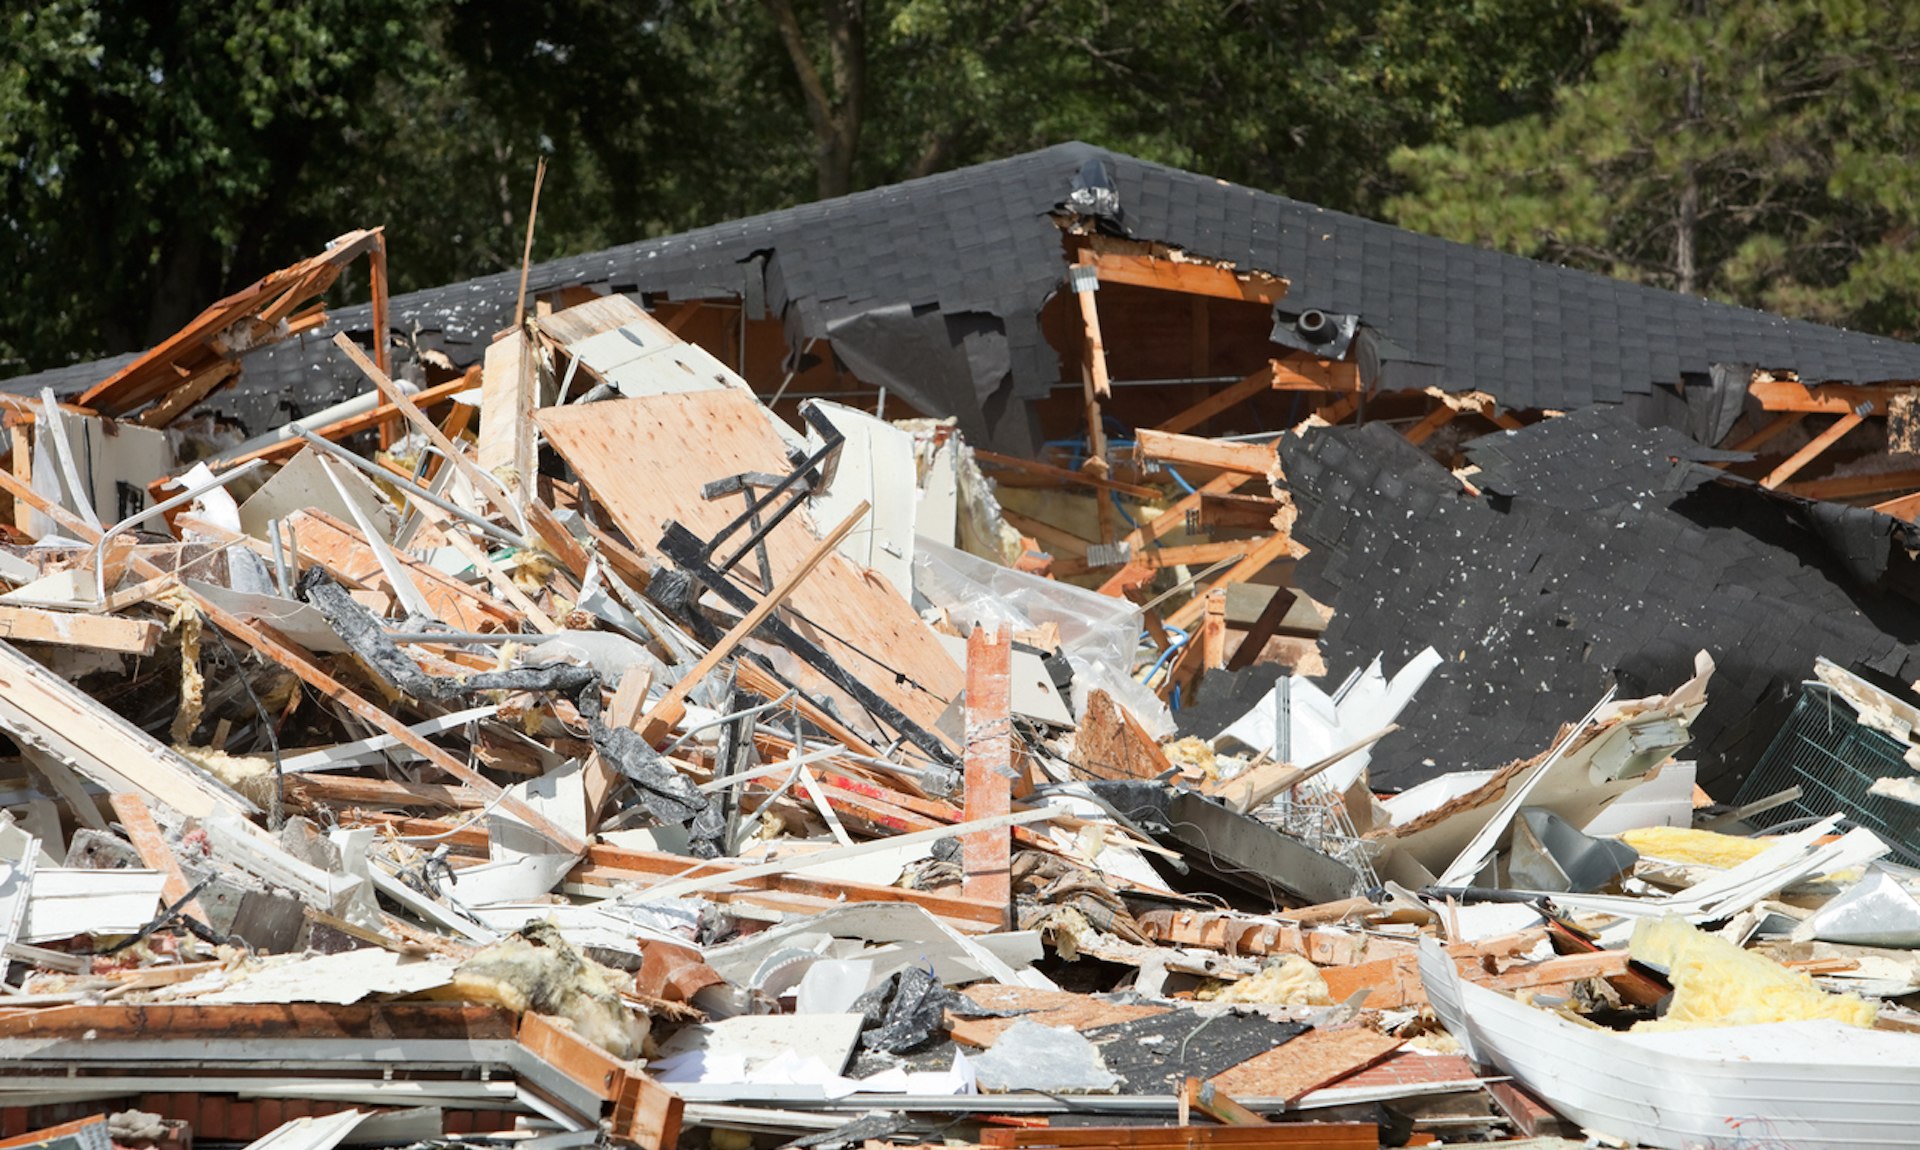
<point x="1906" y="507"/>
<point x="329" y="788"/>
<point x="1274" y="548"/>
<point x="182" y="398"/>
<point x="1812" y="450"/>
<point x="1776" y="427"/>
<point x="508" y="387"/>
<point x="1175" y="516"/>
<point x="1308" y="1063"/>
<point x="95" y="632"/>
<point x="1299" y="373"/>
<point x="1438" y="418"/>
<point x="1226" y="398"/>
<point x="667" y="713"/>
<point x="1826" y="398"/>
<point x="20" y="434"/>
<point x="152" y="847"/>
<point x="646" y="460"/>
<point x="993" y="459"/>
<point x="1094" y="349"/>
<point x="1186" y="276"/>
<point x="1194" y="451"/>
<point x="1855" y="486"/>
<point x="1268" y="622"/>
<point x="987" y="856"/>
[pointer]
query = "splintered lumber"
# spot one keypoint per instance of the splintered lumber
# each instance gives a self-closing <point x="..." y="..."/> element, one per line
<point x="1194" y="451"/>
<point x="667" y="713"/>
<point x="341" y="428"/>
<point x="1186" y="276"/>
<point x="1812" y="451"/>
<point x="290" y="656"/>
<point x="646" y="461"/>
<point x="41" y="709"/>
<point x="1826" y="398"/>
<point x="249" y="318"/>
<point x="1438" y="418"/>
<point x="1293" y="1136"/>
<point x="987" y="856"/>
<point x="484" y="485"/>
<point x="152" y="847"/>
<point x="1270" y="550"/>
<point x="644" y="1112"/>
<point x="1306" y="1064"/>
<point x="1215" y="1104"/>
<point x="97" y="632"/>
<point x="1111" y="745"/>
<point x="1226" y="398"/>
<point x="1052" y="474"/>
<point x="344" y="554"/>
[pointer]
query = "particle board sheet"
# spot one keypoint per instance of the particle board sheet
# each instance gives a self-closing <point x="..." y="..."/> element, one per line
<point x="1047" y="1007"/>
<point x="647" y="460"/>
<point x="1307" y="1063"/>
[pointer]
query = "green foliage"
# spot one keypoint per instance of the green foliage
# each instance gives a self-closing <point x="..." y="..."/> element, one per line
<point x="1777" y="135"/>
<point x="156" y="156"/>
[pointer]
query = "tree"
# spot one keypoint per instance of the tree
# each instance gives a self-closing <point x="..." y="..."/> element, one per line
<point x="154" y="155"/>
<point x="1752" y="151"/>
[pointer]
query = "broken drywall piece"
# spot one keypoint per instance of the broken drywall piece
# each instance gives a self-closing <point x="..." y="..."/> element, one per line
<point x="114" y="468"/>
<point x="1314" y="724"/>
<point x="802" y="1051"/>
<point x="302" y="484"/>
<point x="874" y="465"/>
<point x="341" y="979"/>
<point x="1034" y="693"/>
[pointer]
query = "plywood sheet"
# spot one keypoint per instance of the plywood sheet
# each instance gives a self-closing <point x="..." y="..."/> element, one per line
<point x="647" y="459"/>
<point x="1307" y="1063"/>
<point x="1047" y="1007"/>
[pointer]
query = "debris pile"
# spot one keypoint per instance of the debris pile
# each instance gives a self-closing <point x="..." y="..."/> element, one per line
<point x="568" y="748"/>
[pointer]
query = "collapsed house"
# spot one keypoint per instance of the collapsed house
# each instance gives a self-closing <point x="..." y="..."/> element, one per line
<point x="1065" y="652"/>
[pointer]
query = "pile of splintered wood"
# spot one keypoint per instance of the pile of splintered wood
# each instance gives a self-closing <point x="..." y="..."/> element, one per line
<point x="571" y="750"/>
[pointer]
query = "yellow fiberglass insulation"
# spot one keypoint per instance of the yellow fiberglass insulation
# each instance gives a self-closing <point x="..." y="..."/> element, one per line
<point x="1686" y="845"/>
<point x="1292" y="981"/>
<point x="536" y="969"/>
<point x="1715" y="983"/>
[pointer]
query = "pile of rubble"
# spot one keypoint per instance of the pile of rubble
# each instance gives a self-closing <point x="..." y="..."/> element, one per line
<point x="568" y="749"/>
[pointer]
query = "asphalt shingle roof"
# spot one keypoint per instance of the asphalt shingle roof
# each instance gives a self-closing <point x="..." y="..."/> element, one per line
<point x="980" y="241"/>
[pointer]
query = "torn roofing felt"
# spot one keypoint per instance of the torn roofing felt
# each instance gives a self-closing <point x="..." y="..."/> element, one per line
<point x="1541" y="596"/>
<point x="933" y="289"/>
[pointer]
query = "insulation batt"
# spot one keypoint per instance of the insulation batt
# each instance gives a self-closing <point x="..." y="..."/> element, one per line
<point x="1291" y="981"/>
<point x="1694" y="847"/>
<point x="1715" y="983"/>
<point x="538" y="970"/>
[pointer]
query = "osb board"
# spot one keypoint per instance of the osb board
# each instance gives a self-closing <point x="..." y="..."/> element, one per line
<point x="1109" y="745"/>
<point x="339" y="548"/>
<point x="1047" y="1007"/>
<point x="1307" y="1063"/>
<point x="1412" y="1068"/>
<point x="647" y="459"/>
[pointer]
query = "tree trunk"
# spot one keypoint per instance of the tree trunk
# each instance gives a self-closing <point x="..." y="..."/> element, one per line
<point x="1686" y="251"/>
<point x="835" y="112"/>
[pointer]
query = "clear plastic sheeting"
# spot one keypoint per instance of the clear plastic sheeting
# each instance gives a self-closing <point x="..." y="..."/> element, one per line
<point x="1049" y="1059"/>
<point x="1098" y="633"/>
